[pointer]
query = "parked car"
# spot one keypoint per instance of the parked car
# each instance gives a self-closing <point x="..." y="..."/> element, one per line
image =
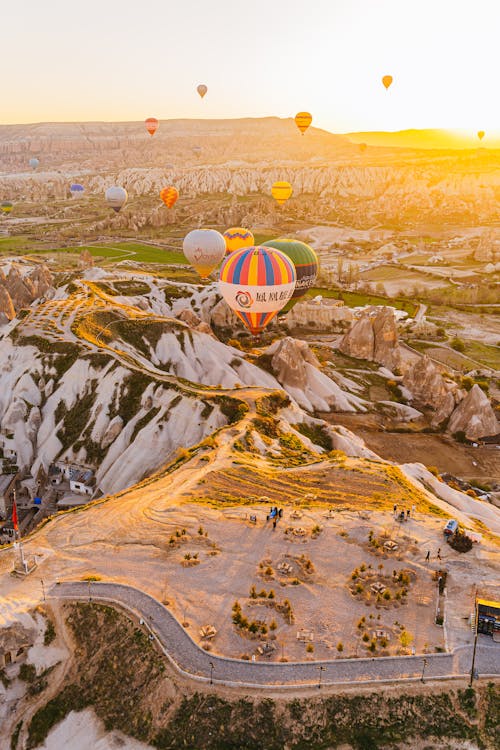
<point x="451" y="527"/>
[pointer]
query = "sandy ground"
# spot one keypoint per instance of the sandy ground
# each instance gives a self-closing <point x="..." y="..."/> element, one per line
<point x="127" y="540"/>
<point x="84" y="731"/>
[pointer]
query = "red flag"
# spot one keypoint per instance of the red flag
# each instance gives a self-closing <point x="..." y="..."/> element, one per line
<point x="14" y="516"/>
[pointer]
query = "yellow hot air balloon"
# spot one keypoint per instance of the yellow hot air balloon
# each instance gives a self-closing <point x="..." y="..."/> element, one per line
<point x="303" y="120"/>
<point x="281" y="192"/>
<point x="237" y="237"/>
<point x="480" y="134"/>
<point x="387" y="80"/>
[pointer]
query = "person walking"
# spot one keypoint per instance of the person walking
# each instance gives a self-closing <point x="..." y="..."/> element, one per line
<point x="395" y="510"/>
<point x="274" y="523"/>
<point x="428" y="556"/>
<point x="407" y="514"/>
<point x="439" y="554"/>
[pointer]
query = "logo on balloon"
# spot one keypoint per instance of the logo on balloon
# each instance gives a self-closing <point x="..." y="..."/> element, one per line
<point x="244" y="299"/>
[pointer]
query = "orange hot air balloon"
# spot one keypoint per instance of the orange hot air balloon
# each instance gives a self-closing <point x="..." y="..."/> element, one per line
<point x="303" y="120"/>
<point x="480" y="134"/>
<point x="169" y="196"/>
<point x="387" y="80"/>
<point x="151" y="125"/>
<point x="202" y="89"/>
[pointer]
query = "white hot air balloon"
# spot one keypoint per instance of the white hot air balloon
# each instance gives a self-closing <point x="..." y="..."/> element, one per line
<point x="116" y="197"/>
<point x="204" y="249"/>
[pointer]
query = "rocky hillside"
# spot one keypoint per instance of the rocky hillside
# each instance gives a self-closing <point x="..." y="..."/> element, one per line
<point x="21" y="284"/>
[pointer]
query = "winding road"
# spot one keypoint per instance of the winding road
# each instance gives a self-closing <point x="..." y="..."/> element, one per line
<point x="192" y="661"/>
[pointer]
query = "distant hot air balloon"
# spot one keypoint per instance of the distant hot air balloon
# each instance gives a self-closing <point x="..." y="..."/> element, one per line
<point x="169" y="196"/>
<point x="197" y="150"/>
<point x="76" y="189"/>
<point x="306" y="265"/>
<point x="303" y="120"/>
<point x="6" y="207"/>
<point x="151" y="125"/>
<point x="281" y="192"/>
<point x="116" y="197"/>
<point x="480" y="134"/>
<point x="387" y="80"/>
<point x="34" y="163"/>
<point x="204" y="249"/>
<point x="362" y="147"/>
<point x="169" y="166"/>
<point x="256" y="283"/>
<point x="202" y="90"/>
<point x="237" y="237"/>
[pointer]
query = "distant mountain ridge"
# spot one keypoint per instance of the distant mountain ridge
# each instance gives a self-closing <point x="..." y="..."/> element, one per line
<point x="426" y="139"/>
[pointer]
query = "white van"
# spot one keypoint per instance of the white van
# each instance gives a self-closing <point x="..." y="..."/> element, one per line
<point x="451" y="527"/>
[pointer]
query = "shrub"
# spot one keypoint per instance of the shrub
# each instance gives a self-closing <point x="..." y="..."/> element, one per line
<point x="253" y="593"/>
<point x="340" y="647"/>
<point x="310" y="648"/>
<point x="457" y="344"/>
<point x="359" y="588"/>
<point x="50" y="633"/>
<point x="263" y="594"/>
<point x="271" y="594"/>
<point x="461" y="542"/>
<point x="365" y="637"/>
<point x="273" y="625"/>
<point x="373" y="645"/>
<point x="253" y="627"/>
<point x="387" y="595"/>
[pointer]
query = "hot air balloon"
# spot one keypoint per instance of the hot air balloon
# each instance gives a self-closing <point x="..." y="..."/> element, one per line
<point x="204" y="249"/>
<point x="387" y="80"/>
<point x="237" y="237"/>
<point x="34" y="163"/>
<point x="303" y="120"/>
<point x="169" y="196"/>
<point x="256" y="283"/>
<point x="151" y="125"/>
<point x="6" y="207"/>
<point x="202" y="90"/>
<point x="197" y="150"/>
<point x="169" y="166"/>
<point x="76" y="189"/>
<point x="306" y="265"/>
<point x="281" y="191"/>
<point x="116" y="197"/>
<point x="362" y="147"/>
<point x="480" y="134"/>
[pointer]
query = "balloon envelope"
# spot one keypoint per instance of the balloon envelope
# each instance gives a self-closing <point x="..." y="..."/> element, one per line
<point x="237" y="237"/>
<point x="151" y="125"/>
<point x="480" y="134"/>
<point x="281" y="191"/>
<point x="76" y="189"/>
<point x="204" y="249"/>
<point x="303" y="120"/>
<point x="306" y="265"/>
<point x="202" y="90"/>
<point x="256" y="283"/>
<point x="116" y="197"/>
<point x="387" y="80"/>
<point x="6" y="207"/>
<point x="169" y="196"/>
<point x="34" y="163"/>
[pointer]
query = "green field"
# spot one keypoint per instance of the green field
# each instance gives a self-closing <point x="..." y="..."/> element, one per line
<point x="358" y="299"/>
<point x="131" y="250"/>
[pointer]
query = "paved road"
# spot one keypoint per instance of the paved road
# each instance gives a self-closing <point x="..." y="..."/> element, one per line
<point x="189" y="658"/>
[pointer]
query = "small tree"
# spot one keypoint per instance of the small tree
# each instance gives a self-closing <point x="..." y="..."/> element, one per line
<point x="273" y="625"/>
<point x="405" y="638"/>
<point x="340" y="647"/>
<point x="253" y="593"/>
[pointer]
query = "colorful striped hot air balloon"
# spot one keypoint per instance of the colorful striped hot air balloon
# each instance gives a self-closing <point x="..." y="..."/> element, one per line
<point x="204" y="249"/>
<point x="6" y="207"/>
<point x="281" y="192"/>
<point x="303" y="120"/>
<point x="238" y="237"/>
<point x="306" y="265"/>
<point x="151" y="125"/>
<point x="169" y="196"/>
<point x="256" y="283"/>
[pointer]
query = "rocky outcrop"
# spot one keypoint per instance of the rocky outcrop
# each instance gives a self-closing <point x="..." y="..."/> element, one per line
<point x="22" y="284"/>
<point x="222" y="316"/>
<point x="374" y="337"/>
<point x="6" y="305"/>
<point x="297" y="370"/>
<point x="430" y="389"/>
<point x="114" y="428"/>
<point x="474" y="416"/>
<point x="193" y="321"/>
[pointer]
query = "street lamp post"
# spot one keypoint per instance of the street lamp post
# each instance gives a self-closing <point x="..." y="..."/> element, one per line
<point x="90" y="596"/>
<point x="423" y="669"/>
<point x="321" y="670"/>
<point x="211" y="672"/>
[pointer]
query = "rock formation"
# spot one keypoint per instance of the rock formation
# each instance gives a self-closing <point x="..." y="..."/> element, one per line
<point x="429" y="388"/>
<point x="474" y="416"/>
<point x="21" y="285"/>
<point x="193" y="321"/>
<point x="374" y="337"/>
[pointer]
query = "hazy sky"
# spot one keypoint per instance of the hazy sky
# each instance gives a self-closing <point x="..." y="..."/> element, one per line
<point x="129" y="59"/>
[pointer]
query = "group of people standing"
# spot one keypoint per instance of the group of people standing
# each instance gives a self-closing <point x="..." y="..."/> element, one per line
<point x="274" y="515"/>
